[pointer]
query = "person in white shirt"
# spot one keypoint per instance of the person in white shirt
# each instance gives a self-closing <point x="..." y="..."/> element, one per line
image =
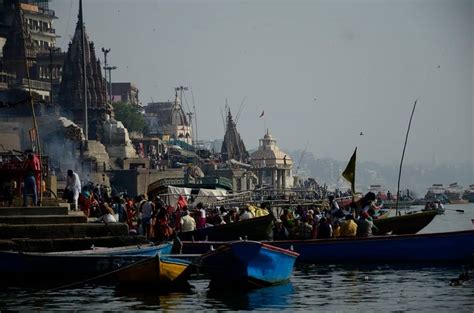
<point x="108" y="214"/>
<point x="246" y="214"/>
<point x="146" y="210"/>
<point x="73" y="185"/>
<point x="187" y="222"/>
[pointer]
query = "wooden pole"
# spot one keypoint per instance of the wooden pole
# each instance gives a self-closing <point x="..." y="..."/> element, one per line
<point x="403" y="155"/>
<point x="35" y="123"/>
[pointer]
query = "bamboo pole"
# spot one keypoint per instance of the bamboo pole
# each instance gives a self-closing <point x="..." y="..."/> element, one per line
<point x="35" y="123"/>
<point x="403" y="155"/>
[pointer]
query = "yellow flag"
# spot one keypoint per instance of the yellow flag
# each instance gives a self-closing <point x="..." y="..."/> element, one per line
<point x="349" y="172"/>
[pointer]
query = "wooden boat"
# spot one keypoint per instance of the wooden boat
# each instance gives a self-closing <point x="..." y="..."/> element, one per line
<point x="402" y="204"/>
<point x="455" y="247"/>
<point x="405" y="224"/>
<point x="160" y="271"/>
<point x="257" y="228"/>
<point x="458" y="201"/>
<point x="74" y="265"/>
<point x="140" y="250"/>
<point x="248" y="264"/>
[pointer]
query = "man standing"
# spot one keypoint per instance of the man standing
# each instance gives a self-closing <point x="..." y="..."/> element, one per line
<point x="73" y="185"/>
<point x="32" y="168"/>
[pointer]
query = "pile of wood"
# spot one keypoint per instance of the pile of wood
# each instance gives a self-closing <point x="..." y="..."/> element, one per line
<point x="71" y="130"/>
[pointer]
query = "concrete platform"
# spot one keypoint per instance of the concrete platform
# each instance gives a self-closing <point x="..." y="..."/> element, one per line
<point x="43" y="219"/>
<point x="37" y="210"/>
<point x="58" y="231"/>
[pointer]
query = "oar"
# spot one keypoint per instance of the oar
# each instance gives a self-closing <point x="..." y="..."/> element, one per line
<point x="457" y="210"/>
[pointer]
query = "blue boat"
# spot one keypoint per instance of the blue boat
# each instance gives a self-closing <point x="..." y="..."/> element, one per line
<point x="73" y="265"/>
<point x="451" y="247"/>
<point x="248" y="264"/>
<point x="435" y="247"/>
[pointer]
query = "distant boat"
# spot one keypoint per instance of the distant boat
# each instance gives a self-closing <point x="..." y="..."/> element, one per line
<point x="469" y="193"/>
<point x="257" y="228"/>
<point x="248" y="264"/>
<point x="457" y="247"/>
<point x="158" y="271"/>
<point x="454" y="194"/>
<point x="435" y="193"/>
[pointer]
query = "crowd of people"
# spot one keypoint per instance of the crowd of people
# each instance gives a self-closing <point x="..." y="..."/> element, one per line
<point x="152" y="217"/>
<point x="331" y="221"/>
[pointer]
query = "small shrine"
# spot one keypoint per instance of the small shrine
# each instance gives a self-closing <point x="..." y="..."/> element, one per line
<point x="271" y="165"/>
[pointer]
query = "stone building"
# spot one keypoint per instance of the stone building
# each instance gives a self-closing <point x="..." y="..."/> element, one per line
<point x="167" y="119"/>
<point x="272" y="166"/>
<point x="39" y="20"/>
<point x="26" y="32"/>
<point x="125" y="92"/>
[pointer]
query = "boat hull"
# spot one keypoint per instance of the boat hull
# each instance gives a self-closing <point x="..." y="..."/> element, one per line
<point x="439" y="247"/>
<point x="457" y="247"/>
<point x="144" y="250"/>
<point x="158" y="271"/>
<point x="405" y="224"/>
<point x="248" y="264"/>
<point x="257" y="228"/>
<point x="74" y="265"/>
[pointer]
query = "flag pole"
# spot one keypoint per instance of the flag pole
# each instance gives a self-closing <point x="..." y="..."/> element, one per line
<point x="403" y="155"/>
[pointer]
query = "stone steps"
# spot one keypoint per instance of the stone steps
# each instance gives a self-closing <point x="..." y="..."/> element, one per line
<point x="43" y="219"/>
<point x="37" y="210"/>
<point x="58" y="231"/>
<point x="55" y="228"/>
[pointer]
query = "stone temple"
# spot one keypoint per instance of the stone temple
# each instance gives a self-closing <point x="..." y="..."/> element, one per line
<point x="233" y="147"/>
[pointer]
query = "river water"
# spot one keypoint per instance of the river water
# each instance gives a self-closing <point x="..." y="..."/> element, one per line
<point x="329" y="288"/>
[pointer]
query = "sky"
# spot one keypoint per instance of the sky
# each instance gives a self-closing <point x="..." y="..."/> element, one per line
<point x="322" y="71"/>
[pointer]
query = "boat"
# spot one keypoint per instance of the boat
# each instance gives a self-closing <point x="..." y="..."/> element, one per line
<point x="469" y="193"/>
<point x="436" y="193"/>
<point x="451" y="247"/>
<point x="257" y="228"/>
<point x="74" y="265"/>
<point x="404" y="224"/>
<point x="248" y="264"/>
<point x="159" y="271"/>
<point x="137" y="250"/>
<point x="389" y="201"/>
<point x="454" y="194"/>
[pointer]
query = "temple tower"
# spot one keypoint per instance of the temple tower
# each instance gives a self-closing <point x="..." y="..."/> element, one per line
<point x="233" y="146"/>
<point x="71" y="92"/>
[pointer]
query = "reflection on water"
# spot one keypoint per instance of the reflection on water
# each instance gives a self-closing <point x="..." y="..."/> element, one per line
<point x="385" y="288"/>
<point x="274" y="297"/>
<point x="326" y="287"/>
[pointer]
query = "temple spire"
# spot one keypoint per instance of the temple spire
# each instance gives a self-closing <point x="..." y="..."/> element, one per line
<point x="84" y="73"/>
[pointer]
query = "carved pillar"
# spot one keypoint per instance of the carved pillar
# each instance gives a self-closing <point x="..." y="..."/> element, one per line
<point x="278" y="182"/>
<point x="284" y="180"/>
<point x="274" y="174"/>
<point x="260" y="177"/>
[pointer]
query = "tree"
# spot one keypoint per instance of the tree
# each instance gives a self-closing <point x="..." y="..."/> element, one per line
<point x="130" y="116"/>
